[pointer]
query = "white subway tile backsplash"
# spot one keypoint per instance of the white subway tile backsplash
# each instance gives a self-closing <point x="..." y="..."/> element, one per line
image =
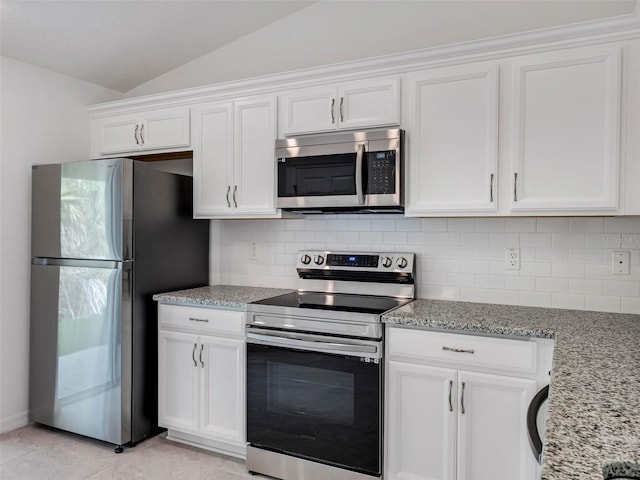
<point x="621" y="288"/>
<point x="622" y="225"/>
<point x="568" y="270"/>
<point x="553" y="225"/>
<point x="630" y="305"/>
<point x="600" y="303"/>
<point x="520" y="225"/>
<point x="604" y="240"/>
<point x="552" y="255"/>
<point x="585" y="286"/>
<point x="567" y="300"/>
<point x="434" y="224"/>
<point x="565" y="262"/>
<point x="490" y="225"/>
<point x="544" y="284"/>
<point x="586" y="224"/>
<point x="509" y="240"/>
<point x="474" y="239"/>
<point x="535" y="299"/>
<point x="570" y="240"/>
<point x="535" y="240"/>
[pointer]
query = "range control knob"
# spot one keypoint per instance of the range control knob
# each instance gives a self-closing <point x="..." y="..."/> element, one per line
<point x="402" y="262"/>
<point x="386" y="262"/>
<point x="319" y="259"/>
<point x="305" y="259"/>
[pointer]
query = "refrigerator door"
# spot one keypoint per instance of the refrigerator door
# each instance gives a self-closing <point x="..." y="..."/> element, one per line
<point x="80" y="352"/>
<point x="82" y="210"/>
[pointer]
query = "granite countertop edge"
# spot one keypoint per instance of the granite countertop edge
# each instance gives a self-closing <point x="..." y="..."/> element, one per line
<point x="219" y="296"/>
<point x="592" y="432"/>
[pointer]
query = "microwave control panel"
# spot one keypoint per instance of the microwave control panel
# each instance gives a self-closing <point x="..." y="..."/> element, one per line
<point x="381" y="172"/>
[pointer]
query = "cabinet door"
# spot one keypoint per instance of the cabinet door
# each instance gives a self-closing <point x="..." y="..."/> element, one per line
<point x="165" y="128"/>
<point x="566" y="116"/>
<point x="492" y="430"/>
<point x="212" y="159"/>
<point x="178" y="374"/>
<point x="372" y="103"/>
<point x="254" y="187"/>
<point x="421" y="421"/>
<point x="308" y="110"/>
<point x="115" y="134"/>
<point x="452" y="115"/>
<point x="223" y="385"/>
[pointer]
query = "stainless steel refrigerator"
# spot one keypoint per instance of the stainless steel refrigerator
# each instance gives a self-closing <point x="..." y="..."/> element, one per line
<point x="106" y="235"/>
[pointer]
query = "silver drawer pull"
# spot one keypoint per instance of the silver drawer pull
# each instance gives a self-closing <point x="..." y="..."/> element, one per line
<point x="194" y="319"/>
<point x="458" y="350"/>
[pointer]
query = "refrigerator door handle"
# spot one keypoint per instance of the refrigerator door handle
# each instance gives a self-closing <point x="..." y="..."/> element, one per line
<point x="70" y="262"/>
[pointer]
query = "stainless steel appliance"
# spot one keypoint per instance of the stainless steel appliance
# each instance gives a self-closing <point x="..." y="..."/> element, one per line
<point x="106" y="235"/>
<point x="350" y="171"/>
<point x="315" y="369"/>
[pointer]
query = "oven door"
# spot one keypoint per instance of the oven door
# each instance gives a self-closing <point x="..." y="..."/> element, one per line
<point x="313" y="404"/>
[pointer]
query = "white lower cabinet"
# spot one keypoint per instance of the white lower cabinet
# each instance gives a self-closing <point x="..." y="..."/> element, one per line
<point x="455" y="423"/>
<point x="201" y="377"/>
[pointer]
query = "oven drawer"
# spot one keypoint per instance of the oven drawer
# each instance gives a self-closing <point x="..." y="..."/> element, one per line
<point x="468" y="351"/>
<point x="202" y="320"/>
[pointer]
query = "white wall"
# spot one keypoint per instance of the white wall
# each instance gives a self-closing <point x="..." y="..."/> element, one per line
<point x="330" y="32"/>
<point x="42" y="120"/>
<point x="565" y="262"/>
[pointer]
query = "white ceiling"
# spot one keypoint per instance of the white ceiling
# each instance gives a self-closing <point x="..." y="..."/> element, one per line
<point x="122" y="44"/>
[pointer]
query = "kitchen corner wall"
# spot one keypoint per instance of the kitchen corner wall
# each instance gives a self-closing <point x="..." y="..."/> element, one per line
<point x="565" y="262"/>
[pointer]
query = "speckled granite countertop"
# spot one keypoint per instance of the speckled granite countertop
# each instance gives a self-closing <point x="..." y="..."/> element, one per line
<point x="227" y="296"/>
<point x="594" y="402"/>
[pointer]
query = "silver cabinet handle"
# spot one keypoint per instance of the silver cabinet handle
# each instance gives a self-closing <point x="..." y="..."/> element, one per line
<point x="491" y="189"/>
<point x="141" y="134"/>
<point x="359" y="189"/>
<point x="194" y="319"/>
<point x="235" y="190"/>
<point x="450" y="390"/>
<point x="228" y="190"/>
<point x="462" y="399"/>
<point x="135" y="134"/>
<point x="201" y="362"/>
<point x="515" y="187"/>
<point x="193" y="355"/>
<point x="341" y="112"/>
<point x="458" y="350"/>
<point x="333" y="115"/>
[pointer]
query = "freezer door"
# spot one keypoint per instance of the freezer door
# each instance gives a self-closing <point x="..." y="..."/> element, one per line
<point x="82" y="210"/>
<point x="80" y="350"/>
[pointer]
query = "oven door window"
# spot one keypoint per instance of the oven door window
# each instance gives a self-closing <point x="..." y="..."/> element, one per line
<point x="317" y="406"/>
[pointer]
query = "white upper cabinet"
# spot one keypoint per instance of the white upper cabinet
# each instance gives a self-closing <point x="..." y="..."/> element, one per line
<point x="452" y="125"/>
<point x="234" y="158"/>
<point x="358" y="104"/>
<point x="566" y="131"/>
<point x="157" y="129"/>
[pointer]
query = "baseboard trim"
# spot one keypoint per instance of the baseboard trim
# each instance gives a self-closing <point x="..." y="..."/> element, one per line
<point x="14" y="421"/>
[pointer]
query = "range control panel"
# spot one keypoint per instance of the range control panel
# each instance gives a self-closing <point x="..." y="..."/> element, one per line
<point x="367" y="261"/>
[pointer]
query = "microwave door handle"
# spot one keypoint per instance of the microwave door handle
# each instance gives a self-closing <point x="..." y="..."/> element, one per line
<point x="359" y="189"/>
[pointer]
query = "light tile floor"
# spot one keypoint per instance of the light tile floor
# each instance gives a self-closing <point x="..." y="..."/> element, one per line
<point x="36" y="453"/>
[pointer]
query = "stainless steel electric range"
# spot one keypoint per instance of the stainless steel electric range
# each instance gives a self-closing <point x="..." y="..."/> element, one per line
<point x="315" y="369"/>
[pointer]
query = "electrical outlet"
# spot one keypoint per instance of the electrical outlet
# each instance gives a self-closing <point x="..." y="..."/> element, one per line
<point x="620" y="263"/>
<point x="512" y="258"/>
<point x="254" y="251"/>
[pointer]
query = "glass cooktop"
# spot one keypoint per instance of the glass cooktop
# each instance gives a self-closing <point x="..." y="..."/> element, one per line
<point x="335" y="302"/>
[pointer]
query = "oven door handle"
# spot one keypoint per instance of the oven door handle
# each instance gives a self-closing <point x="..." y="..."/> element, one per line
<point x="307" y="344"/>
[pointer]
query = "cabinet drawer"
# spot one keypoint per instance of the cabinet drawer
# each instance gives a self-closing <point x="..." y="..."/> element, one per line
<point x="468" y="351"/>
<point x="205" y="320"/>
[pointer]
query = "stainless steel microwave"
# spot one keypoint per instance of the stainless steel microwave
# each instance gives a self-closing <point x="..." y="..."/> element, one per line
<point x="341" y="172"/>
